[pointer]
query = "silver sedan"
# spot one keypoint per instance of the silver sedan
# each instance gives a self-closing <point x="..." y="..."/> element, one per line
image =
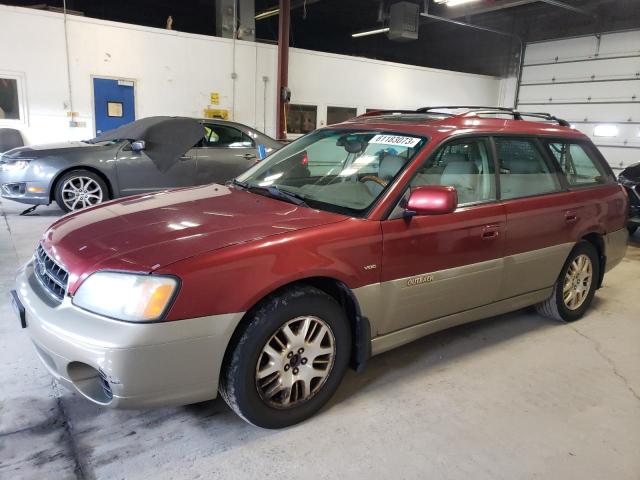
<point x="81" y="174"/>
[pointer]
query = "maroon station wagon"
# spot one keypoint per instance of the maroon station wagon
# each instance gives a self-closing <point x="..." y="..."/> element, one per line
<point x="348" y="242"/>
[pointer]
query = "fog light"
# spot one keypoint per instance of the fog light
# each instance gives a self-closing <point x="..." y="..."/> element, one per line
<point x="14" y="188"/>
<point x="35" y="189"/>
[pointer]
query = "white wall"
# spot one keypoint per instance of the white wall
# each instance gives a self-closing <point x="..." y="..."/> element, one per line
<point x="326" y="79"/>
<point x="589" y="81"/>
<point x="175" y="72"/>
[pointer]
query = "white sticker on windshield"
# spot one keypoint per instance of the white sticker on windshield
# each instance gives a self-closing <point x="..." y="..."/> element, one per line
<point x="395" y="140"/>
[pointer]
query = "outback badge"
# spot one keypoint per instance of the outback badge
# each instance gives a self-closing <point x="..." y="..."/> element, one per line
<point x="412" y="282"/>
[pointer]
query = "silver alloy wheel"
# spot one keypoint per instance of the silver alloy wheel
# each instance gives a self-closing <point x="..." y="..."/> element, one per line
<point x="295" y="362"/>
<point x="81" y="192"/>
<point x="577" y="282"/>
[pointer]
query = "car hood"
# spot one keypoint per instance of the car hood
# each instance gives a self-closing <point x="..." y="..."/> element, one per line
<point x="151" y="231"/>
<point x="35" y="151"/>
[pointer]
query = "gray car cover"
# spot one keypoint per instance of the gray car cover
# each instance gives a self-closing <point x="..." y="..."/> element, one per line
<point x="166" y="138"/>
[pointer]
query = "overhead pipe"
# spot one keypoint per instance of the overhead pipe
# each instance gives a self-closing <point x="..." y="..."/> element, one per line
<point x="234" y="75"/>
<point x="284" y="22"/>
<point x="71" y="113"/>
<point x="426" y="14"/>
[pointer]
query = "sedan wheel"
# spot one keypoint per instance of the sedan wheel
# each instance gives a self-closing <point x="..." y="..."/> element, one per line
<point x="80" y="189"/>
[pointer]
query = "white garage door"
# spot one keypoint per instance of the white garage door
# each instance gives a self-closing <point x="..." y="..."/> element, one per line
<point x="594" y="83"/>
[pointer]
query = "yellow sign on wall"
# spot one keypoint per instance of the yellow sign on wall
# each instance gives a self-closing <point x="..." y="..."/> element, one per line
<point x="216" y="113"/>
<point x="215" y="98"/>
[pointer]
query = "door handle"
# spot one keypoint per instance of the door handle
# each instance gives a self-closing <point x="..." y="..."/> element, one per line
<point x="185" y="157"/>
<point x="570" y="217"/>
<point x="490" y="232"/>
<point x="248" y="156"/>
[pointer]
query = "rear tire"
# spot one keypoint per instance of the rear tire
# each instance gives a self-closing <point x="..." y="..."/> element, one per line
<point x="575" y="287"/>
<point x="289" y="359"/>
<point x="79" y="189"/>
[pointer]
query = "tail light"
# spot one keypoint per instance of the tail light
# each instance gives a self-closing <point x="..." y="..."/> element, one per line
<point x="305" y="159"/>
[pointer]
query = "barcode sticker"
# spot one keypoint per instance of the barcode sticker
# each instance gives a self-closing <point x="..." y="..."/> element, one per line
<point x="397" y="140"/>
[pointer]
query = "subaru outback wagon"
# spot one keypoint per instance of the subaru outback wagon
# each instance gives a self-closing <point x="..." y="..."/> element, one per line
<point x="346" y="243"/>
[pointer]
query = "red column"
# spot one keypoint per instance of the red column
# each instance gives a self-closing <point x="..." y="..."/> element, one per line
<point x="283" y="64"/>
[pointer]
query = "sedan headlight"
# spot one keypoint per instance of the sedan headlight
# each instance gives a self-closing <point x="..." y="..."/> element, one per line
<point x="126" y="296"/>
<point x="14" y="165"/>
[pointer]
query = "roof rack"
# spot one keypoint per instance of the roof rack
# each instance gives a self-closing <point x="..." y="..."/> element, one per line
<point x="517" y="115"/>
<point x="460" y="107"/>
<point x="374" y="113"/>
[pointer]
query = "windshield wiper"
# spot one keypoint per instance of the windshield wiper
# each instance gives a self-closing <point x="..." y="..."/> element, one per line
<point x="276" y="192"/>
<point x="238" y="183"/>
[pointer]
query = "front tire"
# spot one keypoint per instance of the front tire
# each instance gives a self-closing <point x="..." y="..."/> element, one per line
<point x="575" y="287"/>
<point x="288" y="360"/>
<point x="632" y="229"/>
<point x="79" y="189"/>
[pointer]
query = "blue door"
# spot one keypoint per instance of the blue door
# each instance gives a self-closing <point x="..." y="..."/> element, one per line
<point x="114" y="103"/>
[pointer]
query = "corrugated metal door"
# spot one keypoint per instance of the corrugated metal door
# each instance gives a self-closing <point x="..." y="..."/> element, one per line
<point x="594" y="83"/>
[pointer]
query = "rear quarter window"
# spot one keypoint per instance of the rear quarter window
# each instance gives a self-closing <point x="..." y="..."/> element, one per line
<point x="579" y="163"/>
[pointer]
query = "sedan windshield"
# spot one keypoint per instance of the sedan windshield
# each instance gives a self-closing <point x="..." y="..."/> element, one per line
<point x="336" y="170"/>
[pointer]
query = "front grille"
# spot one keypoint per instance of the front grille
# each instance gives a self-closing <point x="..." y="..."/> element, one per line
<point x="51" y="275"/>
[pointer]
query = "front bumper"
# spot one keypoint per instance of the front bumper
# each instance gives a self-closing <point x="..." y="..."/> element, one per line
<point x="125" y="365"/>
<point x="32" y="193"/>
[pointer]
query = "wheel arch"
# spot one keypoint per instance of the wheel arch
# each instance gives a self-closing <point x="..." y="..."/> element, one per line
<point x="59" y="175"/>
<point x="359" y="325"/>
<point x="597" y="240"/>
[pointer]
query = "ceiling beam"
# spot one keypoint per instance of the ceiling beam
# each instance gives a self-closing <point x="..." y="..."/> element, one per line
<point x="466" y="10"/>
<point x="480" y="8"/>
<point x="571" y="8"/>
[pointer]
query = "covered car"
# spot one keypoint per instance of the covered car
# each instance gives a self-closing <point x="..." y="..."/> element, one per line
<point x="150" y="154"/>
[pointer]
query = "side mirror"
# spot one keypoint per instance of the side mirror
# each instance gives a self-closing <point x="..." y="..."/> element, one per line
<point x="431" y="200"/>
<point x="138" y="145"/>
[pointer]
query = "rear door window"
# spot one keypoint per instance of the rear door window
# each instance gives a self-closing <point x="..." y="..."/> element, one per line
<point x="223" y="136"/>
<point x="578" y="164"/>
<point x="524" y="171"/>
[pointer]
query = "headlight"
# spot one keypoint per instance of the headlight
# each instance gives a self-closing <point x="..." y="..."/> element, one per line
<point x="14" y="165"/>
<point x="126" y="296"/>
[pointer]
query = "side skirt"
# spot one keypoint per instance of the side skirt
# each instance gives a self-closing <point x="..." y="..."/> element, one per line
<point x="395" y="339"/>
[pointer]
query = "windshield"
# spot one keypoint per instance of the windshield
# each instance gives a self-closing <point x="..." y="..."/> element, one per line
<point x="337" y="170"/>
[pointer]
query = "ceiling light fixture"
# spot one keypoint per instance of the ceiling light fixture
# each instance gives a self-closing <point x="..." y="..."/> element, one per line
<point x="267" y="13"/>
<point x="454" y="3"/>
<point x="370" y="32"/>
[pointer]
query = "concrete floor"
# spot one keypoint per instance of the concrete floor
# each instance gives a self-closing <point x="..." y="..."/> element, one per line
<point x="513" y="397"/>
